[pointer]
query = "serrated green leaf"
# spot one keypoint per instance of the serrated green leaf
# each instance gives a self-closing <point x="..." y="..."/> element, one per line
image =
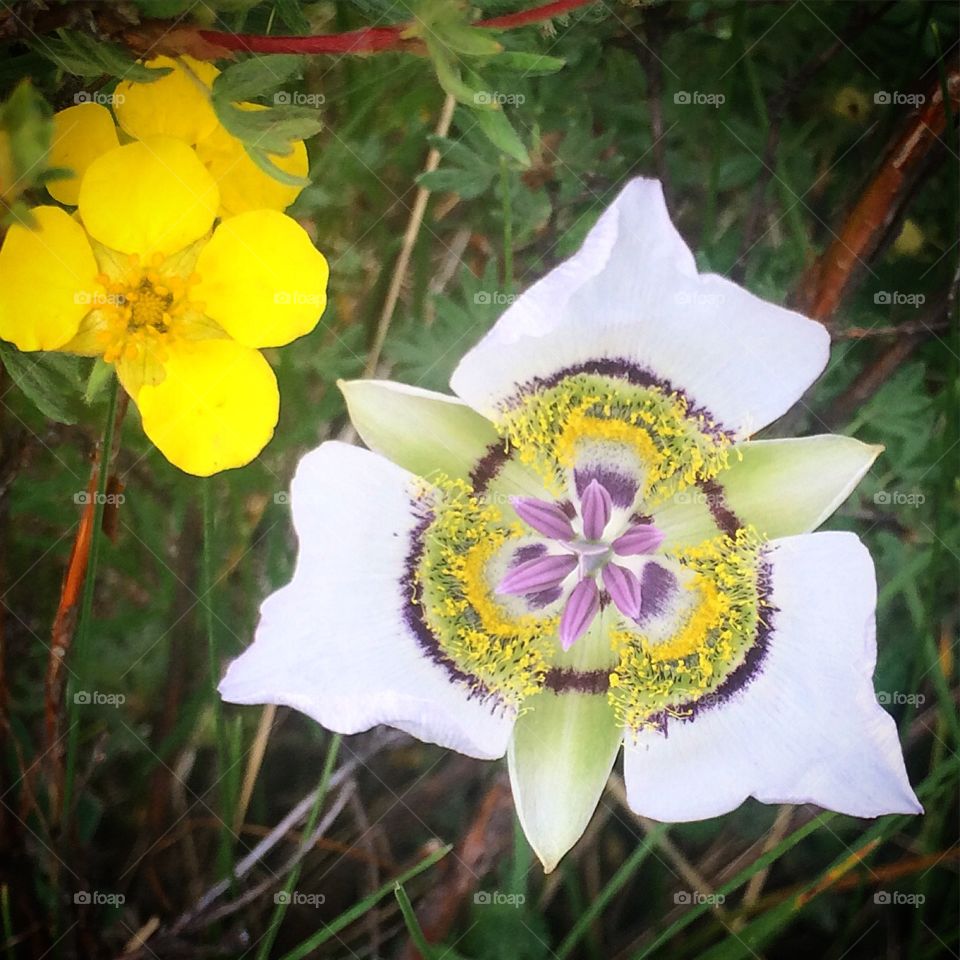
<point x="87" y="56"/>
<point x="448" y="75"/>
<point x="531" y="64"/>
<point x="26" y="118"/>
<point x="256" y="77"/>
<point x="502" y="135"/>
<point x="293" y="16"/>
<point x="470" y="41"/>
<point x="101" y="374"/>
<point x="467" y="183"/>
<point x="49" y="380"/>
<point x="263" y="160"/>
<point x="271" y="130"/>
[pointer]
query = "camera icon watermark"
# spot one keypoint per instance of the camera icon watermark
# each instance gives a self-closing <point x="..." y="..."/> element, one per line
<point x="494" y="297"/>
<point x="486" y="898"/>
<point x="297" y="899"/>
<point x="98" y="898"/>
<point x="698" y="98"/>
<point x="297" y="298"/>
<point x="888" y="898"/>
<point x="695" y="897"/>
<point x="898" y="698"/>
<point x="99" y="97"/>
<point x="486" y="98"/>
<point x="84" y="498"/>
<point x="895" y="98"/>
<point x="897" y="298"/>
<point x="96" y="698"/>
<point x="899" y="498"/>
<point x="297" y="98"/>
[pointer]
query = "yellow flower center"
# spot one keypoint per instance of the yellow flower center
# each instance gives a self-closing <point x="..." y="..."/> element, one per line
<point x="145" y="309"/>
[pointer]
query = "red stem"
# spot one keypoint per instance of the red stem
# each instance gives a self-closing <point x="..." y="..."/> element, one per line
<point x="373" y="39"/>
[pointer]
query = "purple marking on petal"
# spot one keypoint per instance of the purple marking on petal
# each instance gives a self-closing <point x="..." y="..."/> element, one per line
<point x="624" y="588"/>
<point x="582" y="606"/>
<point x="642" y="538"/>
<point x="545" y="517"/>
<point x="570" y="511"/>
<point x="595" y="508"/>
<point x="622" y="489"/>
<point x="657" y="586"/>
<point x="537" y="601"/>
<point x="540" y="574"/>
<point x="529" y="552"/>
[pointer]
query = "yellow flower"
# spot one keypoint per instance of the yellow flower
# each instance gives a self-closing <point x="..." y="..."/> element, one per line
<point x="139" y="278"/>
<point x="175" y="105"/>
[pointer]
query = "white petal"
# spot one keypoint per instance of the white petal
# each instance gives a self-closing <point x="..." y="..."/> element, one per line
<point x="781" y="487"/>
<point x="807" y="728"/>
<point x="633" y="294"/>
<point x="334" y="643"/>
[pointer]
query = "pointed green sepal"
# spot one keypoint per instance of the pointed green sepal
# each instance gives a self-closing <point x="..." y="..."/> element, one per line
<point x="560" y="757"/>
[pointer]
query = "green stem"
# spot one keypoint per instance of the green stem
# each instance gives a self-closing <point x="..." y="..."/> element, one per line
<point x="79" y="675"/>
<point x="225" y="852"/>
<point x="266" y="944"/>
<point x="507" y="226"/>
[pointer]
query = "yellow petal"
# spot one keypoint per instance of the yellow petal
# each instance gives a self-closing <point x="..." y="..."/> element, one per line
<point x="46" y="281"/>
<point x="243" y="185"/>
<point x="147" y="198"/>
<point x="80" y="135"/>
<point x="176" y="105"/>
<point x="215" y="408"/>
<point x="262" y="279"/>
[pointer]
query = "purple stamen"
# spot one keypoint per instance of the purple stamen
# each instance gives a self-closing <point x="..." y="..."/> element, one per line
<point x="595" y="507"/>
<point x="639" y="538"/>
<point x="542" y="573"/>
<point x="582" y="606"/>
<point x="623" y="585"/>
<point x="545" y="517"/>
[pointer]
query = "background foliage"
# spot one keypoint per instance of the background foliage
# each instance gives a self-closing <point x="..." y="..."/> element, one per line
<point x="766" y="121"/>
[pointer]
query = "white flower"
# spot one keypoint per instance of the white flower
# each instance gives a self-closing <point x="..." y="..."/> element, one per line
<point x="584" y="551"/>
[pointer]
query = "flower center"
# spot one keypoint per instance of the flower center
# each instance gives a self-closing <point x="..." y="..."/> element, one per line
<point x="577" y="548"/>
<point x="145" y="307"/>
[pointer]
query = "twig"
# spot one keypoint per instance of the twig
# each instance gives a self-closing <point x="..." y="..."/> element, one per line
<point x="409" y="239"/>
<point x="864" y="229"/>
<point x="259" y="748"/>
<point x="755" y="886"/>
<point x="374" y="39"/>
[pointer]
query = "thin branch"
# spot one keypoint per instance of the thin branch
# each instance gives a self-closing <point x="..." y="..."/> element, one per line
<point x="374" y="39"/>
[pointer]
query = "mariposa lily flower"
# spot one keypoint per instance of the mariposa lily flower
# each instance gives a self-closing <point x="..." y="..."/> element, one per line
<point x="141" y="278"/>
<point x="176" y="105"/>
<point x="584" y="551"/>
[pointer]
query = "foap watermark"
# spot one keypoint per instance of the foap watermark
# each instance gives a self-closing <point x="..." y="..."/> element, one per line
<point x="684" y="897"/>
<point x="484" y="98"/>
<point x="95" y="698"/>
<point x="702" y="497"/>
<point x="896" y="98"/>
<point x="496" y="297"/>
<point x="698" y="98"/>
<point x="98" y="898"/>
<point x="486" y="898"/>
<point x="693" y="298"/>
<point x="98" y="96"/>
<point x="897" y="298"/>
<point x="899" y="698"/>
<point x="98" y="298"/>
<point x="297" y="298"/>
<point x="297" y="98"/>
<point x="84" y="498"/>
<point x="899" y="498"/>
<point x="296" y="898"/>
<point x="888" y="898"/>
<point x="281" y="497"/>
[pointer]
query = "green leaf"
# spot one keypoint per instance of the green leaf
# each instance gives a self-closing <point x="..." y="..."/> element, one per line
<point x="449" y="78"/>
<point x="26" y="118"/>
<point x="51" y="381"/>
<point x="262" y="159"/>
<point x="467" y="183"/>
<point x="88" y="56"/>
<point x="271" y="130"/>
<point x="256" y="77"/>
<point x="500" y="133"/>
<point x="100" y="375"/>
<point x="531" y="64"/>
